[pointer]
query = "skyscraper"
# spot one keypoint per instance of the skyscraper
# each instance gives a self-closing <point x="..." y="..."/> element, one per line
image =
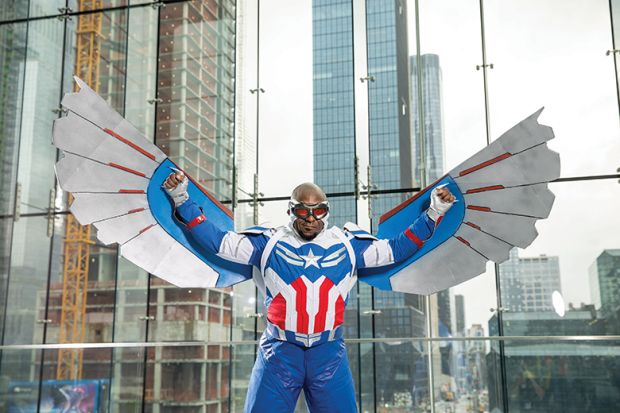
<point x="334" y="111"/>
<point x="527" y="283"/>
<point x="604" y="281"/>
<point x="429" y="88"/>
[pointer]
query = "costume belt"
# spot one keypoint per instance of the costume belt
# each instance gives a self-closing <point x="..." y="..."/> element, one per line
<point x="301" y="339"/>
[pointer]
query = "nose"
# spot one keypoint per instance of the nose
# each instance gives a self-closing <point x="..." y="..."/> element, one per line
<point x="311" y="218"/>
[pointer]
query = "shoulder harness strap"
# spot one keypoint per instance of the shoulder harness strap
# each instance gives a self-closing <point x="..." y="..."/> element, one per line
<point x="257" y="230"/>
<point x="357" y="232"/>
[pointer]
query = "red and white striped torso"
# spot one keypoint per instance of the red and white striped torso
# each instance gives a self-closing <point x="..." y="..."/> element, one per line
<point x="306" y="284"/>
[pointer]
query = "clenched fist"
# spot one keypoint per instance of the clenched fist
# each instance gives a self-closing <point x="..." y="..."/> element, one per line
<point x="176" y="187"/>
<point x="174" y="179"/>
<point x="441" y="201"/>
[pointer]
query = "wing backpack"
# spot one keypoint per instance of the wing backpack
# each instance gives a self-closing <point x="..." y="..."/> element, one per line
<point x="501" y="192"/>
<point x="115" y="175"/>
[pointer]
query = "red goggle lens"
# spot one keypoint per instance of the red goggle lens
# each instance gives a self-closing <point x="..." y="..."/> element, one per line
<point x="303" y="212"/>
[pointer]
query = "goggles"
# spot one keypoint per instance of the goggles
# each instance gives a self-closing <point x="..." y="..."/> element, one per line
<point x="303" y="211"/>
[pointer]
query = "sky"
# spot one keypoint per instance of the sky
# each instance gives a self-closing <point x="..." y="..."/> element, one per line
<point x="549" y="54"/>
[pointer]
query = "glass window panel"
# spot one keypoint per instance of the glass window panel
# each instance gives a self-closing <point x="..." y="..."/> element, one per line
<point x="20" y="376"/>
<point x="28" y="282"/>
<point x="71" y="257"/>
<point x="467" y="376"/>
<point x="560" y="64"/>
<point x="577" y="254"/>
<point x="6" y="228"/>
<point x="195" y="119"/>
<point x="22" y="9"/>
<point x="615" y="17"/>
<point x="41" y="93"/>
<point x="132" y="282"/>
<point x="243" y="357"/>
<point x="188" y="375"/>
<point x="285" y="136"/>
<point x="141" y="69"/>
<point x="92" y="365"/>
<point x="13" y="61"/>
<point x="78" y="5"/>
<point x="562" y="376"/>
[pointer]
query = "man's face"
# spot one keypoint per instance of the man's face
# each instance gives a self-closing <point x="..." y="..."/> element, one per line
<point x="309" y="228"/>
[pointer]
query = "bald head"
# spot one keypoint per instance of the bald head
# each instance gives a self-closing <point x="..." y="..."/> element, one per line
<point x="308" y="190"/>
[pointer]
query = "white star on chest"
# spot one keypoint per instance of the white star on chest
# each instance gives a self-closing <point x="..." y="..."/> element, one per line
<point x="311" y="259"/>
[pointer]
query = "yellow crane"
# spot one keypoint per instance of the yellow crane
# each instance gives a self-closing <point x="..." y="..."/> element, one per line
<point x="77" y="237"/>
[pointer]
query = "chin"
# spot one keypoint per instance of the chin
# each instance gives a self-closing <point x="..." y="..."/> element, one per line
<point x="308" y="237"/>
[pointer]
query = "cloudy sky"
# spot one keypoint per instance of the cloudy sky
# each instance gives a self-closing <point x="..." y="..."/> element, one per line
<point x="549" y="54"/>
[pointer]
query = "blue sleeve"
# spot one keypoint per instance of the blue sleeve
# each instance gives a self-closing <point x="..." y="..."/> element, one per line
<point x="211" y="237"/>
<point x="412" y="239"/>
<point x="397" y="249"/>
<point x="206" y="233"/>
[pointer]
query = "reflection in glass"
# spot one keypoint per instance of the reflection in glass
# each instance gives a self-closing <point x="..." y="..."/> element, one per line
<point x="12" y="59"/>
<point x="182" y="376"/>
<point x="6" y="227"/>
<point x="27" y="292"/>
<point x="42" y="89"/>
<point x="196" y="87"/>
<point x="19" y="373"/>
<point x="567" y="377"/>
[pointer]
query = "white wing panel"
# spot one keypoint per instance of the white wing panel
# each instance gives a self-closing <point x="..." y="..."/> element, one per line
<point x="513" y="229"/>
<point x="536" y="165"/>
<point x="534" y="200"/>
<point x="87" y="104"/>
<point x="161" y="255"/>
<point x="441" y="268"/>
<point x="492" y="248"/>
<point x="89" y="208"/>
<point x="123" y="228"/>
<point x="77" y="174"/>
<point x="76" y="135"/>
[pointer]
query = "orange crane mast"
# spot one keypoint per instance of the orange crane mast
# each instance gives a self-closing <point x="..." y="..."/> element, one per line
<point x="78" y="237"/>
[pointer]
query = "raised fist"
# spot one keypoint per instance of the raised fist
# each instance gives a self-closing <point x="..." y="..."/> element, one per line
<point x="176" y="187"/>
<point x="441" y="201"/>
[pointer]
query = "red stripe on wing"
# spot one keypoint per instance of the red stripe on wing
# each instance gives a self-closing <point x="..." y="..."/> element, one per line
<point x="473" y="225"/>
<point x="143" y="230"/>
<point x="463" y="241"/>
<point x="128" y="142"/>
<point x="484" y="189"/>
<point x="124" y="168"/>
<point x="398" y="207"/>
<point x="479" y="208"/>
<point x="485" y="164"/>
<point x="131" y="191"/>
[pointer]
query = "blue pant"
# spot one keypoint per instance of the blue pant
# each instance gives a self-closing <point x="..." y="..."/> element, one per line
<point x="282" y="369"/>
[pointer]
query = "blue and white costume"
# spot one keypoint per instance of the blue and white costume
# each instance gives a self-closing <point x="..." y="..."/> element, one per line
<point x="115" y="174"/>
<point x="306" y="286"/>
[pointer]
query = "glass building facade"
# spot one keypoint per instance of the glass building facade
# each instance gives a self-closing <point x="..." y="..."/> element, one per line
<point x="442" y="77"/>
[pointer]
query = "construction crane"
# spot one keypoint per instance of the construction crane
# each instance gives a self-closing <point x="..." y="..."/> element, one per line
<point x="78" y="237"/>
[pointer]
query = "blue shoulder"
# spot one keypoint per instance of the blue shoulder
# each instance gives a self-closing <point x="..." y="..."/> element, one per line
<point x="258" y="230"/>
<point x="357" y="232"/>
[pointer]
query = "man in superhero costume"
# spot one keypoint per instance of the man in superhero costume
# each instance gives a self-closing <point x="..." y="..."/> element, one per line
<point x="306" y="273"/>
